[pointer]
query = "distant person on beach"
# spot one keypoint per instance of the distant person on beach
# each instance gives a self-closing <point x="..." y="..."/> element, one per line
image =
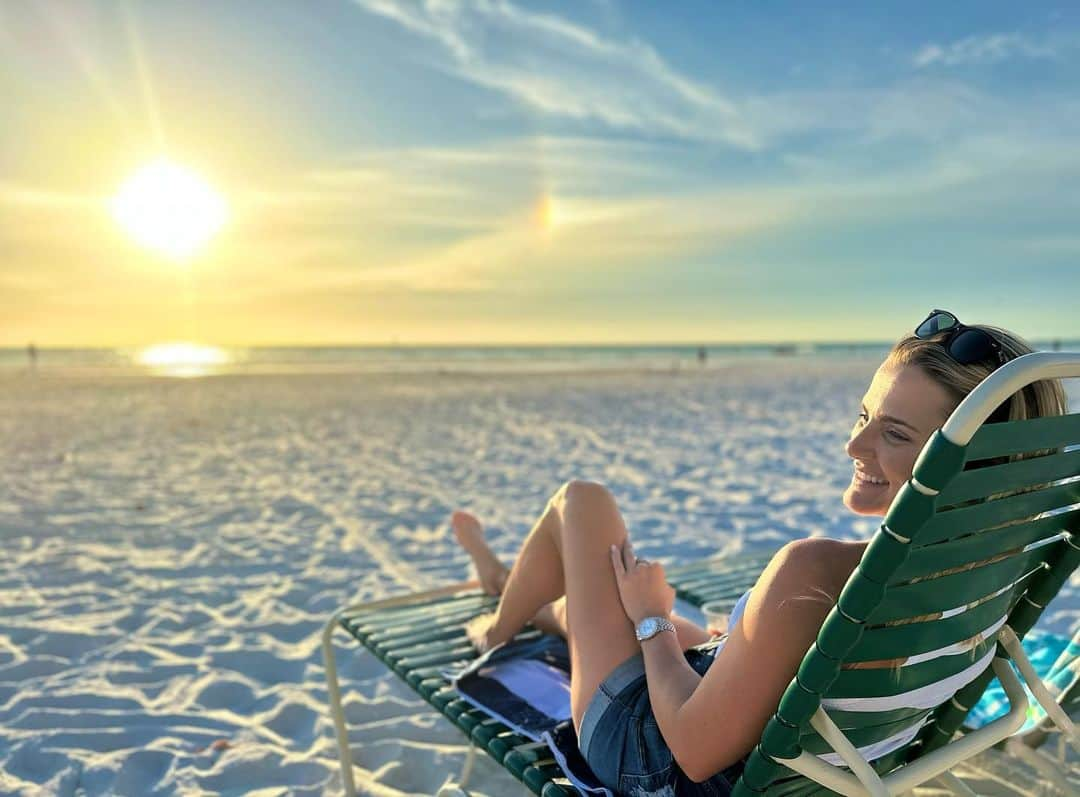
<point x="31" y="355"/>
<point x="702" y="355"/>
<point x="577" y="575"/>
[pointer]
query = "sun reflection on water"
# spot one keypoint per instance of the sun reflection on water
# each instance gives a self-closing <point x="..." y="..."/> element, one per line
<point x="183" y="359"/>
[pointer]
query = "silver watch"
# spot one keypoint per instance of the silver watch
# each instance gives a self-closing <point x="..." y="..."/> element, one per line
<point x="651" y="626"/>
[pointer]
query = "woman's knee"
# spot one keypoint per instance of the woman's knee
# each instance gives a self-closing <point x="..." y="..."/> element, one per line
<point x="580" y="491"/>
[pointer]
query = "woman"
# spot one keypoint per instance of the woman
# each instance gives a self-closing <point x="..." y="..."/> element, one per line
<point x="647" y="687"/>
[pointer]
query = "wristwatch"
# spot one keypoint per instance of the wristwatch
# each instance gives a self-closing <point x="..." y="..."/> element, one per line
<point x="651" y="626"/>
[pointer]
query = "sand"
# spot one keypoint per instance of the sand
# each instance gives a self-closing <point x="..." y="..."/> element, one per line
<point x="172" y="547"/>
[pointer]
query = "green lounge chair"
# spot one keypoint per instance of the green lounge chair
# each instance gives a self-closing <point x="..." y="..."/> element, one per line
<point x="922" y="587"/>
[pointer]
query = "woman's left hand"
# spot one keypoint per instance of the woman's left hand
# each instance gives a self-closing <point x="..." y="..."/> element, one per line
<point x="642" y="587"/>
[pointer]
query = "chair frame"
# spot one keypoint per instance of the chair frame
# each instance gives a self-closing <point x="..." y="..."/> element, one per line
<point x="333" y="688"/>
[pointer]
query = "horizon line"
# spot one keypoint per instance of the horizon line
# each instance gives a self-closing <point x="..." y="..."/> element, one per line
<point x="492" y="345"/>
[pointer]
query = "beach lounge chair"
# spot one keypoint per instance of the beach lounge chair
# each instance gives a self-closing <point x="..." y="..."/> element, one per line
<point x="974" y="546"/>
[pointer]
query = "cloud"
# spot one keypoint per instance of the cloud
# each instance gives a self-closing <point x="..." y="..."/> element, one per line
<point x="559" y="68"/>
<point x="565" y="71"/>
<point x="991" y="48"/>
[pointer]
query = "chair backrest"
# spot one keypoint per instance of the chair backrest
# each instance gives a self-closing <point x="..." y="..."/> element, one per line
<point x="986" y="532"/>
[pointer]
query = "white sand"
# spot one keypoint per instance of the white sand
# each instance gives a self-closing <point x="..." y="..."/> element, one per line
<point x="171" y="547"/>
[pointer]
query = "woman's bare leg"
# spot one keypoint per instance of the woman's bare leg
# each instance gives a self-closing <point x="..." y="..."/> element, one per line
<point x="551" y="619"/>
<point x="470" y="535"/>
<point x="523" y="598"/>
<point x="567" y="552"/>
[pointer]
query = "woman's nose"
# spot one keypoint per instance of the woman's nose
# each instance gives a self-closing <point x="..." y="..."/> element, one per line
<point x="857" y="445"/>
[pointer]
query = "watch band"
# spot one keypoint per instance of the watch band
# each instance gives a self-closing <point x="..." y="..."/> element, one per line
<point x="651" y="626"/>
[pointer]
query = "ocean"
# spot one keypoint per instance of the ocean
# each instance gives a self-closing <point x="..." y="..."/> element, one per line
<point x="188" y="359"/>
<point x="192" y="359"/>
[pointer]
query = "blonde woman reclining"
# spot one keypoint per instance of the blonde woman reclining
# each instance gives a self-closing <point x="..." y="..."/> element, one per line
<point x="648" y="688"/>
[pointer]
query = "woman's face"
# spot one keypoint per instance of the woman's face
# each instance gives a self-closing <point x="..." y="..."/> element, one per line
<point x="899" y="412"/>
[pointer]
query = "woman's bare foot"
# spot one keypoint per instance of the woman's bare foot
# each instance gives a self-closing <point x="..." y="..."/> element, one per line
<point x="480" y="632"/>
<point x="470" y="534"/>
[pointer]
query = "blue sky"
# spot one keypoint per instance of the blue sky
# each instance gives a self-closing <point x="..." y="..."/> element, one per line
<point x="544" y="172"/>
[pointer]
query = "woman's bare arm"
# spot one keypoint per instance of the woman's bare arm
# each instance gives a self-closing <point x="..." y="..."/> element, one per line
<point x="710" y="723"/>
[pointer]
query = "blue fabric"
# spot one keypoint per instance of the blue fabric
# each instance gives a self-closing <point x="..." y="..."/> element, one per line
<point x="1054" y="658"/>
<point x="537" y="696"/>
<point x="622" y="744"/>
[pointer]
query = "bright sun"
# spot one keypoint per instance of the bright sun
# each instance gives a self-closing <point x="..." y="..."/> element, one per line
<point x="169" y="209"/>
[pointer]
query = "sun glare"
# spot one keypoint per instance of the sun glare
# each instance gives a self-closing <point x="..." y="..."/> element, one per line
<point x="169" y="209"/>
<point x="547" y="213"/>
<point x="182" y="359"/>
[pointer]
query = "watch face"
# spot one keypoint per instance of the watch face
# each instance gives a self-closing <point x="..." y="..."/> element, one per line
<point x="647" y="627"/>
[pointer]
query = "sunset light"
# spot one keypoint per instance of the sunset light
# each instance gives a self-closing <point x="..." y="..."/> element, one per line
<point x="182" y="359"/>
<point x="311" y="302"/>
<point x="169" y="209"/>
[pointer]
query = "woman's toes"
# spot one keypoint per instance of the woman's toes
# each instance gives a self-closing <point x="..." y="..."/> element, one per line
<point x="467" y="529"/>
<point x="470" y="534"/>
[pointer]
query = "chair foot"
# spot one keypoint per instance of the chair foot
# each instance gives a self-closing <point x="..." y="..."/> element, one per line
<point x="1043" y="764"/>
<point x="466" y="770"/>
<point x="955" y="785"/>
<point x="451" y="790"/>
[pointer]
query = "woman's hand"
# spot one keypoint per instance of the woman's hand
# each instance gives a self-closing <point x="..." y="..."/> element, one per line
<point x="642" y="588"/>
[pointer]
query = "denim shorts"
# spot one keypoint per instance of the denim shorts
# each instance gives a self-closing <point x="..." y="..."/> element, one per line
<point x="621" y="742"/>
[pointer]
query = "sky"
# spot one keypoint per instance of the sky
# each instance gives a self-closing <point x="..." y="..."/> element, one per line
<point x="544" y="172"/>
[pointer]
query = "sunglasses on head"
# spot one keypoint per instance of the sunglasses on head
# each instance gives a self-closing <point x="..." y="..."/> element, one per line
<point x="966" y="345"/>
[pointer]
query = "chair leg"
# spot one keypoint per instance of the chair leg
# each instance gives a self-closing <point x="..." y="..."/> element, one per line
<point x="466" y="770"/>
<point x="1044" y="764"/>
<point x="334" y="694"/>
<point x="451" y="789"/>
<point x="1053" y="710"/>
<point x="956" y="785"/>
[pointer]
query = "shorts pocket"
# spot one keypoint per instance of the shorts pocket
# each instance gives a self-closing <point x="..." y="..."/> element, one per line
<point x="659" y="784"/>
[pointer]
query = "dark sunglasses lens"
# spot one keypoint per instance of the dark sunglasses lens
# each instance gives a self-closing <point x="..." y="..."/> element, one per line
<point x="936" y="324"/>
<point x="971" y="346"/>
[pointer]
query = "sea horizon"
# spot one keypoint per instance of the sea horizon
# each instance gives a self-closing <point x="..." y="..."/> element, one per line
<point x="196" y="359"/>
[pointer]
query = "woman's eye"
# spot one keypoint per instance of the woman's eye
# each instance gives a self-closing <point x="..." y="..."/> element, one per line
<point x="863" y="417"/>
<point x="898" y="436"/>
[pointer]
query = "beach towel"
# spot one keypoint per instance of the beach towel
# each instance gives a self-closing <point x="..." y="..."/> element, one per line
<point x="525" y="684"/>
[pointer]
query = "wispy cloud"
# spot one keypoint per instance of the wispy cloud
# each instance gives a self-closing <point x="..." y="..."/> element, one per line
<point x="990" y="48"/>
<point x="557" y="67"/>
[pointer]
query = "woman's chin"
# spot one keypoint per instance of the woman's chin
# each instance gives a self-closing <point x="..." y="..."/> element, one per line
<point x="858" y="501"/>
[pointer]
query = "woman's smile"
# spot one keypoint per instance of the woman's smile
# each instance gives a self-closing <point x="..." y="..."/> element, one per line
<point x="865" y="479"/>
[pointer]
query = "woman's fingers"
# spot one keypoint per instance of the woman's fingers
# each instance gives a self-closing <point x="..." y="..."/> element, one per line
<point x="628" y="557"/>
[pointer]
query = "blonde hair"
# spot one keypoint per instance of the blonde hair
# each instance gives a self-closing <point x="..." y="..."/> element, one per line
<point x="1037" y="400"/>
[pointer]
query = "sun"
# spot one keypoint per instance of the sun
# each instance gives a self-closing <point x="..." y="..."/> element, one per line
<point x="169" y="209"/>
